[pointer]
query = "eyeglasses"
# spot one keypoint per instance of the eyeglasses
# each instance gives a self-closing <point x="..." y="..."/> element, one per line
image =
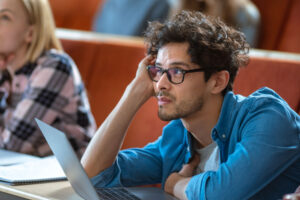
<point x="175" y="75"/>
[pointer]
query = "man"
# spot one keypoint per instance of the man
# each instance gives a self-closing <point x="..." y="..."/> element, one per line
<point x="249" y="147"/>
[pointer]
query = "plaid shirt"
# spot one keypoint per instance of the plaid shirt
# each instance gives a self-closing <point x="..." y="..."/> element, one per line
<point x="51" y="90"/>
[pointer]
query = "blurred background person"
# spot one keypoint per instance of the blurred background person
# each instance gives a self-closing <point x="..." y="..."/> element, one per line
<point x="129" y="17"/>
<point x="241" y="14"/>
<point x="38" y="80"/>
<point x="279" y="24"/>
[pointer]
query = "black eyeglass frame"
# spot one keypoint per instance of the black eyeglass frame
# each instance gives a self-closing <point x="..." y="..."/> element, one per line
<point x="168" y="74"/>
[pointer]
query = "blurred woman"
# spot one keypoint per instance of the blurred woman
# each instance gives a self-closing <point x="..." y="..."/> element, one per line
<point x="38" y="80"/>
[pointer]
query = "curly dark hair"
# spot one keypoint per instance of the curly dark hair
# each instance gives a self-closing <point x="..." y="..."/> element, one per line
<point x="212" y="44"/>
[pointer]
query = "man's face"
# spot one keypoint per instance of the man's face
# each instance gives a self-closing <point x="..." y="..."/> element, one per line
<point x="179" y="100"/>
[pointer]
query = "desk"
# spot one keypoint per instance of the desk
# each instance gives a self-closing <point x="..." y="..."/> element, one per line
<point x="60" y="190"/>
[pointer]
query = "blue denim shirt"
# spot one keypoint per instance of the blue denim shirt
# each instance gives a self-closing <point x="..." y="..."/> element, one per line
<point x="259" y="141"/>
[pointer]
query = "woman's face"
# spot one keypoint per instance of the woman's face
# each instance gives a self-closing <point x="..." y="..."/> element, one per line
<point x="15" y="30"/>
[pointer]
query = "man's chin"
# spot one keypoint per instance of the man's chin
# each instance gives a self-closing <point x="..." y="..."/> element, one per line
<point x="166" y="117"/>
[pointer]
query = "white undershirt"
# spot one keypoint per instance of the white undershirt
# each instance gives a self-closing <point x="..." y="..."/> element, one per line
<point x="209" y="158"/>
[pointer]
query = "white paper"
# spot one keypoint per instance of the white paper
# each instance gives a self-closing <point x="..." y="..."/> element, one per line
<point x="44" y="169"/>
<point x="11" y="158"/>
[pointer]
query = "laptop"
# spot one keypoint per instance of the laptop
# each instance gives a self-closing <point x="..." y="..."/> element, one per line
<point x="79" y="180"/>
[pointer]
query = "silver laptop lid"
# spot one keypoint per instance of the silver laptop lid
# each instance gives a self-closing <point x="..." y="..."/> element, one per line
<point x="68" y="160"/>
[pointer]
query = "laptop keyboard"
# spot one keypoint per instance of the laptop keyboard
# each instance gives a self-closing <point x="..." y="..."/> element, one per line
<point x="115" y="194"/>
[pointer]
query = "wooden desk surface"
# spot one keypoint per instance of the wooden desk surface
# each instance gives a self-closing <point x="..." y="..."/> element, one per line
<point x="60" y="190"/>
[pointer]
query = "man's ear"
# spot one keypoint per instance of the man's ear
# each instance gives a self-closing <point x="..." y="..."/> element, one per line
<point x="220" y="81"/>
<point x="29" y="34"/>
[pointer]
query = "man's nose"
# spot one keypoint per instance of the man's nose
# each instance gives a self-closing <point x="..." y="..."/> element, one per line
<point x="163" y="82"/>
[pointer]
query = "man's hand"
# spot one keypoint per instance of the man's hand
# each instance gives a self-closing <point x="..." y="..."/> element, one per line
<point x="142" y="82"/>
<point x="294" y="196"/>
<point x="177" y="182"/>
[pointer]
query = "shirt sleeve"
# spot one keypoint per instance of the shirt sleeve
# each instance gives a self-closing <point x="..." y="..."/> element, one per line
<point x="269" y="144"/>
<point x="49" y="90"/>
<point x="132" y="167"/>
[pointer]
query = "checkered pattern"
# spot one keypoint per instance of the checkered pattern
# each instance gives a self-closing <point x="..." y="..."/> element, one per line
<point x="49" y="90"/>
<point x="46" y="97"/>
<point x="22" y="130"/>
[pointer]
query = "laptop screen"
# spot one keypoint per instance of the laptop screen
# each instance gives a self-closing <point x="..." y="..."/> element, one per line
<point x="68" y="160"/>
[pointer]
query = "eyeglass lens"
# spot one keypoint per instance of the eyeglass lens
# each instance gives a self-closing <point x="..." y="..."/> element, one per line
<point x="174" y="75"/>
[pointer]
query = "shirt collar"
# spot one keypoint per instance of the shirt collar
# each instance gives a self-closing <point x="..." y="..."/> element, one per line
<point x="26" y="69"/>
<point x="222" y="130"/>
<point x="223" y="126"/>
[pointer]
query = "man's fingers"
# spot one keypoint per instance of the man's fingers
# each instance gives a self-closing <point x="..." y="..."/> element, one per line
<point x="149" y="59"/>
<point x="195" y="160"/>
<point x="152" y="59"/>
<point x="189" y="168"/>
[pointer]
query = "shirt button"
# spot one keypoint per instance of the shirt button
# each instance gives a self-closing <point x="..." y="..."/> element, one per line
<point x="223" y="136"/>
<point x="214" y="133"/>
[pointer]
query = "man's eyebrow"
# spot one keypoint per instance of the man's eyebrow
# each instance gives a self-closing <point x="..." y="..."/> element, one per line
<point x="175" y="63"/>
<point x="180" y="63"/>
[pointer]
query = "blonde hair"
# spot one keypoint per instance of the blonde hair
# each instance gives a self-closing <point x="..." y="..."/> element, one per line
<point x="43" y="38"/>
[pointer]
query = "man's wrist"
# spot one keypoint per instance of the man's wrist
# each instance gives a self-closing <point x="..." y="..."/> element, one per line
<point x="139" y="90"/>
<point x="171" y="181"/>
<point x="180" y="187"/>
<point x="176" y="185"/>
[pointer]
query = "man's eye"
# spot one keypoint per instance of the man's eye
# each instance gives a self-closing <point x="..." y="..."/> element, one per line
<point x="176" y="71"/>
<point x="154" y="71"/>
